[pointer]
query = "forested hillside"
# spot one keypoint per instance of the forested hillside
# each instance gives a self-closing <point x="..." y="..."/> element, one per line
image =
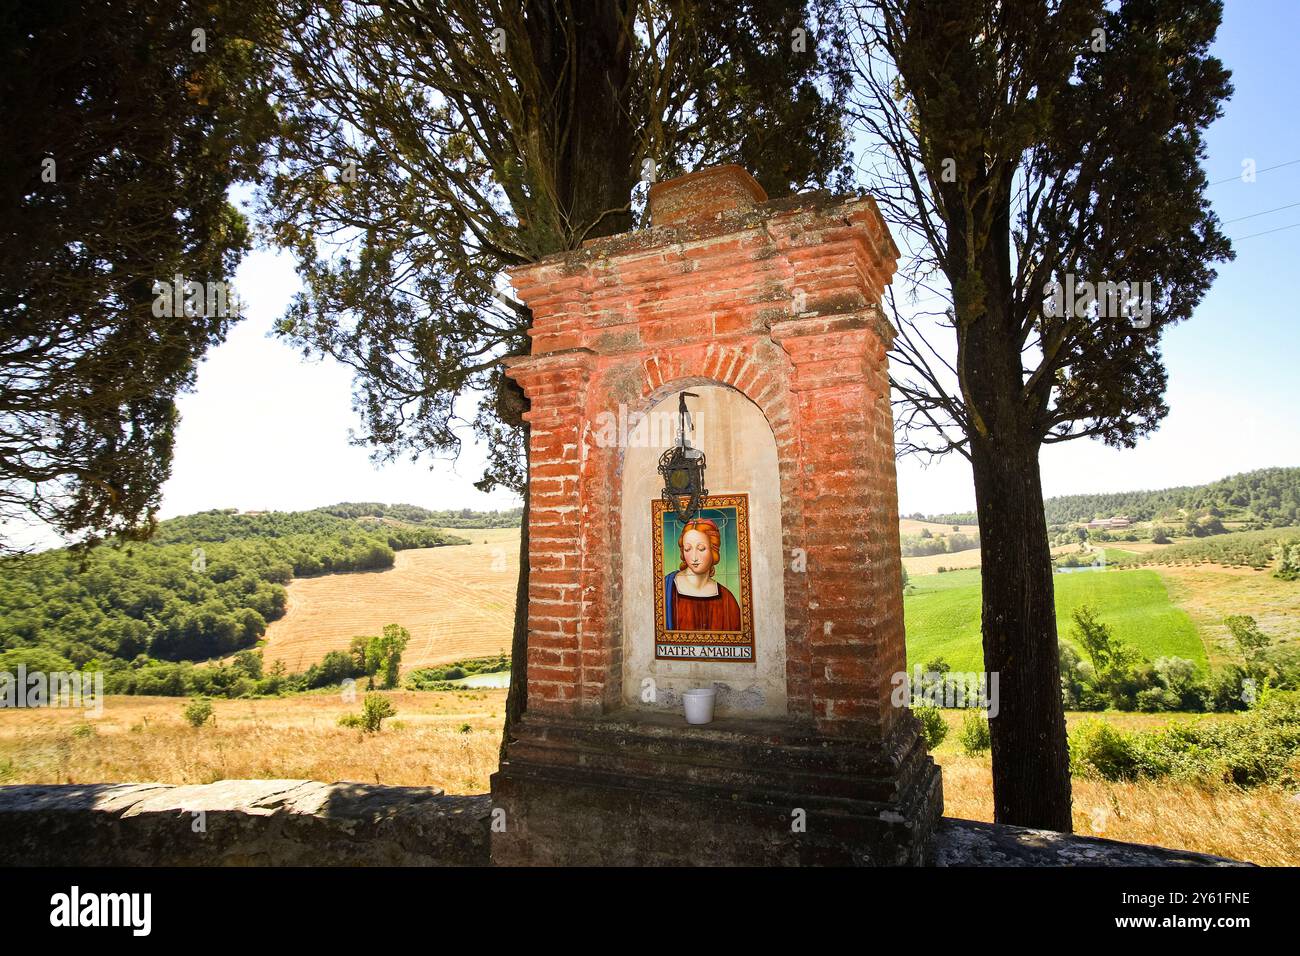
<point x="205" y="585"/>
<point x="462" y="518"/>
<point x="1270" y="496"/>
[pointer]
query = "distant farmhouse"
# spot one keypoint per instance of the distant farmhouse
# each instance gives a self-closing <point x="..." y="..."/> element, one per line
<point x="1118" y="521"/>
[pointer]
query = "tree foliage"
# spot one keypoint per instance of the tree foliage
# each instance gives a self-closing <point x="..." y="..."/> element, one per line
<point x="426" y="152"/>
<point x="1020" y="143"/>
<point x="412" y="514"/>
<point x="121" y="141"/>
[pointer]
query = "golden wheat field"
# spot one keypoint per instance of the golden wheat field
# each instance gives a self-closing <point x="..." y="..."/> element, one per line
<point x="931" y="563"/>
<point x="450" y="740"/>
<point x="457" y="602"/>
<point x="915" y="526"/>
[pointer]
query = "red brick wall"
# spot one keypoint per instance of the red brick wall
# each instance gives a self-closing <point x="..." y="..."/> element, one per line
<point x="634" y="318"/>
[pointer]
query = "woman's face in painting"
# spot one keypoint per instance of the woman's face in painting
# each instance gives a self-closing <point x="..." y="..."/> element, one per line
<point x="697" y="553"/>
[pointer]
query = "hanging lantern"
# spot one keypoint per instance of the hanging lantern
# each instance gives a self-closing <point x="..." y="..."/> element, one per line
<point x="682" y="467"/>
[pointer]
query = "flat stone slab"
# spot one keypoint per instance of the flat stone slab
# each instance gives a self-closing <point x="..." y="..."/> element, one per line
<point x="241" y="822"/>
<point x="970" y="843"/>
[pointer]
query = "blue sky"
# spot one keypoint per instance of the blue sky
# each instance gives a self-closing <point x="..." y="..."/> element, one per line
<point x="265" y="429"/>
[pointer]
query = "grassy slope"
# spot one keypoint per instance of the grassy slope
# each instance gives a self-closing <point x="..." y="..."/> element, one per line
<point x="1211" y="593"/>
<point x="943" y="615"/>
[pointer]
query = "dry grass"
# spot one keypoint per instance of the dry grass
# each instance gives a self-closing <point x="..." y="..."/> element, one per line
<point x="145" y="739"/>
<point x="457" y="602"/>
<point x="930" y="563"/>
<point x="1260" y="825"/>
<point x="1140" y="547"/>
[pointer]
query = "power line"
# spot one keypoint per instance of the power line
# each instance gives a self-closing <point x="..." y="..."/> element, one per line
<point x="1264" y="213"/>
<point x="1266" y="232"/>
<point x="1237" y="178"/>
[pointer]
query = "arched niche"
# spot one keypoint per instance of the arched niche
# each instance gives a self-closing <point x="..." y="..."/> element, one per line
<point x="741" y="455"/>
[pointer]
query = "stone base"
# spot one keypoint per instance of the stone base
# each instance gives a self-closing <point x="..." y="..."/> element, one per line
<point x="636" y="789"/>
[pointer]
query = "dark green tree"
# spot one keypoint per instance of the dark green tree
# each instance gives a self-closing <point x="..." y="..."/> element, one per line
<point x="125" y="123"/>
<point x="1021" y="146"/>
<point x="431" y="148"/>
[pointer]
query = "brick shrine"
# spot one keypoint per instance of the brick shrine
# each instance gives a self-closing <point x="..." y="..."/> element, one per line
<point x="770" y="312"/>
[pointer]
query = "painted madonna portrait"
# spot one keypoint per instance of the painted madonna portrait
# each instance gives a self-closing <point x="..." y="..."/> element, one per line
<point x="702" y="600"/>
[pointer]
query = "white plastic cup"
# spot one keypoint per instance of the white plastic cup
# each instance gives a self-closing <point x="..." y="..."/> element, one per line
<point x="699" y="705"/>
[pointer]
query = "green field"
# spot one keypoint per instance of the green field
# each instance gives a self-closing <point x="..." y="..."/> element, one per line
<point x="942" y="612"/>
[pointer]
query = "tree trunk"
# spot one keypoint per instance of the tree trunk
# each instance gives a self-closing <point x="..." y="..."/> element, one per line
<point x="586" y="87"/>
<point x="517" y="696"/>
<point x="1031" y="768"/>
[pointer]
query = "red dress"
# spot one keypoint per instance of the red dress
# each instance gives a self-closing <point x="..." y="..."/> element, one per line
<point x="717" y="613"/>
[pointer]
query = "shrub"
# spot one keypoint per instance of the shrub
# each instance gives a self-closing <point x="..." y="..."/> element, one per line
<point x="444" y="676"/>
<point x="933" y="727"/>
<point x="334" y="668"/>
<point x="975" y="738"/>
<point x="374" y="710"/>
<point x="197" y="712"/>
<point x="35" y="659"/>
<point x="1181" y="687"/>
<point x="1099" y="750"/>
<point x="1288" y="566"/>
<point x="1261" y="748"/>
<point x="1283" y="665"/>
<point x="1226" y="690"/>
<point x="1156" y="699"/>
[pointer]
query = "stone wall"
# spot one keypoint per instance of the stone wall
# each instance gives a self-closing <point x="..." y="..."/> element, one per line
<point x="241" y="823"/>
<point x="299" y="822"/>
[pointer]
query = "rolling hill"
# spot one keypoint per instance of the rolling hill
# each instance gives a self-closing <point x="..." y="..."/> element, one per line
<point x="457" y="603"/>
<point x="205" y="585"/>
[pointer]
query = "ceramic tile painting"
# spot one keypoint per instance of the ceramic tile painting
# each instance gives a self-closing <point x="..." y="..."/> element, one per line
<point x="702" y="581"/>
